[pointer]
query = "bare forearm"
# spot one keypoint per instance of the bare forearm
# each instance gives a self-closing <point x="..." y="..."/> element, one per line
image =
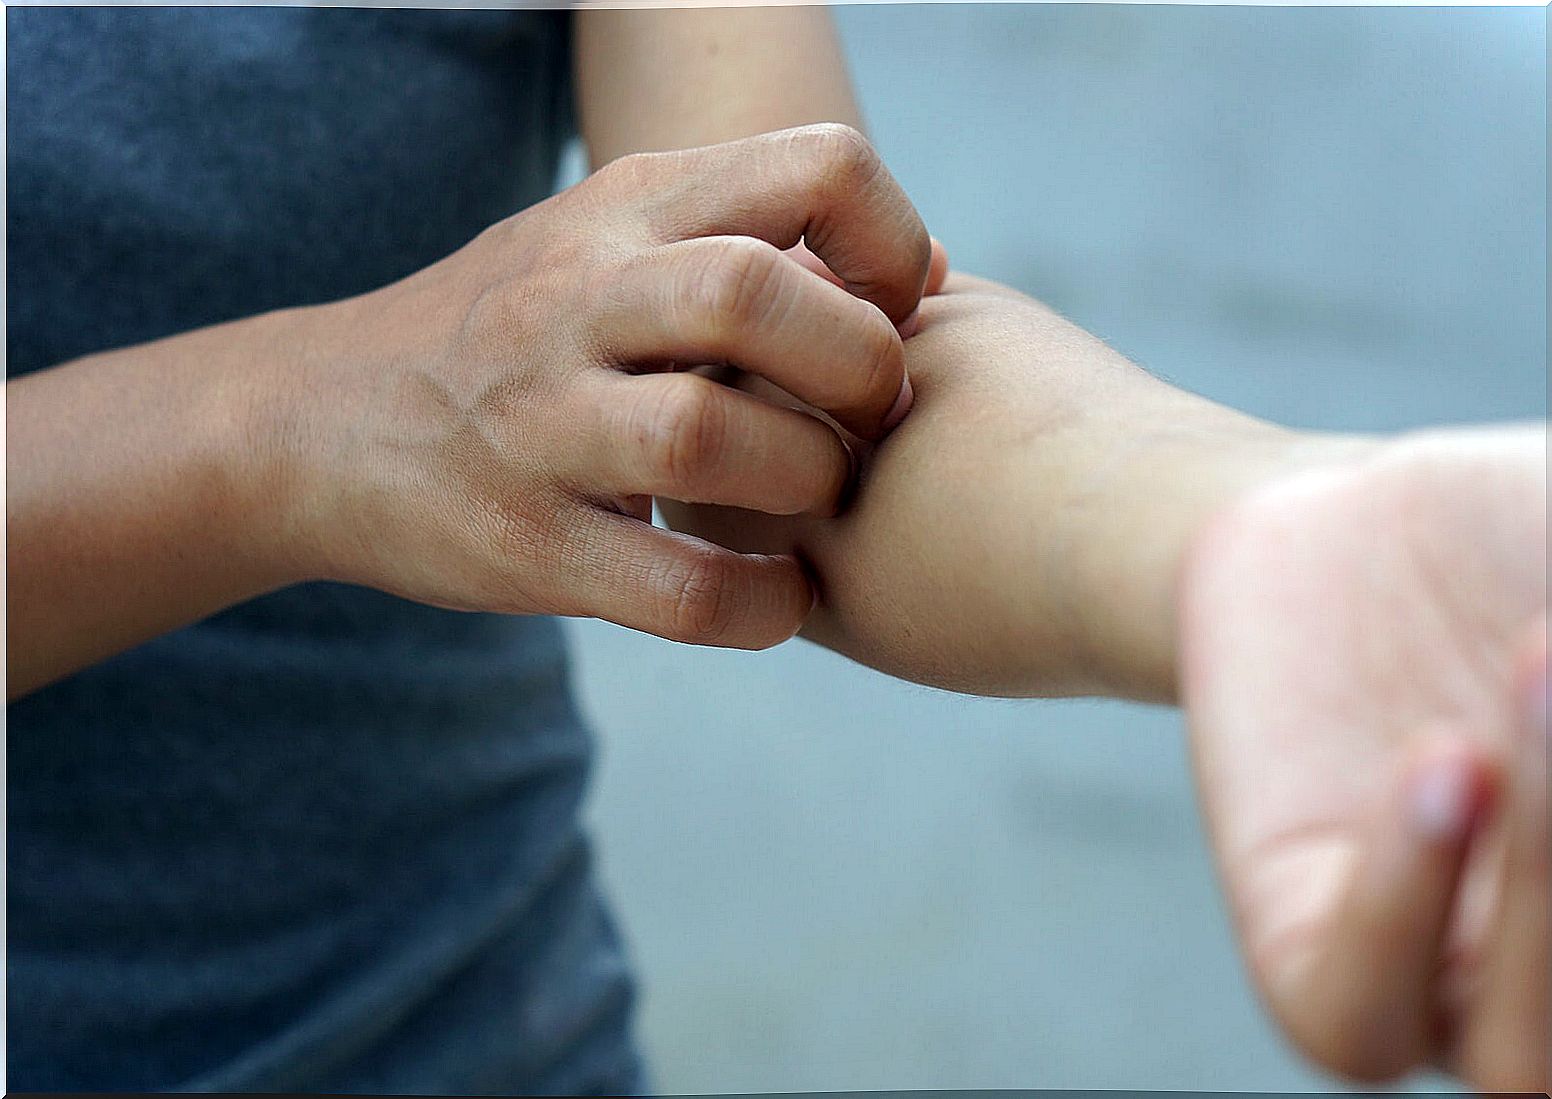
<point x="1057" y="534"/>
<point x="1021" y="531"/>
<point x="1100" y="479"/>
<point x="138" y="499"/>
<point x="661" y="79"/>
<point x="1121" y="498"/>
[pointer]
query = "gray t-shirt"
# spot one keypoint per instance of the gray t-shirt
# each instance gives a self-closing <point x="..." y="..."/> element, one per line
<point x="326" y="840"/>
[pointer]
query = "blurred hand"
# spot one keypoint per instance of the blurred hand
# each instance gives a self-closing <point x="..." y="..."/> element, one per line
<point x="488" y="433"/>
<point x="1365" y="671"/>
<point x="1352" y="620"/>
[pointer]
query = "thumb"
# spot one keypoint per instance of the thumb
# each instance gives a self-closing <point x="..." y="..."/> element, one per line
<point x="1504" y="1046"/>
<point x="1361" y="1001"/>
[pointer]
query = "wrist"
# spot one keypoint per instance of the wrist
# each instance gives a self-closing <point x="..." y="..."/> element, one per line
<point x="1149" y="513"/>
<point x="281" y="501"/>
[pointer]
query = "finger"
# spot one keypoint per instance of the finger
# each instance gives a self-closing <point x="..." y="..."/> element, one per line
<point x="1361" y="1003"/>
<point x="823" y="184"/>
<point x="1505" y="1044"/>
<point x="800" y="255"/>
<point x="688" y="438"/>
<point x="680" y="587"/>
<point x="937" y="271"/>
<point x="739" y="300"/>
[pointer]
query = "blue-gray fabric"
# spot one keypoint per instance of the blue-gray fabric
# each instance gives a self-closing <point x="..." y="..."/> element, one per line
<point x="326" y="840"/>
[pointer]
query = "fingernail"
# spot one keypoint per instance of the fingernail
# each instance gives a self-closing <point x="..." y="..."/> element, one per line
<point x="901" y="406"/>
<point x="1441" y="800"/>
<point x="907" y="328"/>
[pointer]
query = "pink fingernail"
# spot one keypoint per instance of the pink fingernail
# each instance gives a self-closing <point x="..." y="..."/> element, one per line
<point x="1441" y="800"/>
<point x="901" y="406"/>
<point x="907" y="328"/>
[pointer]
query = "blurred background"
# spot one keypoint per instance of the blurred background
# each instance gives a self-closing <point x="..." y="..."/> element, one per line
<point x="830" y="880"/>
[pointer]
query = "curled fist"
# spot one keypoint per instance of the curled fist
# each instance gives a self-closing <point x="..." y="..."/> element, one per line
<point x="488" y="433"/>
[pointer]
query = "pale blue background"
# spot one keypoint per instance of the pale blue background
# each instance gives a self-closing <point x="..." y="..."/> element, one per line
<point x="830" y="880"/>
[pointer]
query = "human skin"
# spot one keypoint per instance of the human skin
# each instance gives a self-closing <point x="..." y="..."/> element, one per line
<point x="1143" y="504"/>
<point x="487" y="433"/>
<point x="1364" y="669"/>
<point x="160" y="527"/>
<point x="993" y="545"/>
<point x="1202" y="493"/>
<point x="1355" y="627"/>
<point x="142" y="494"/>
<point x="754" y="69"/>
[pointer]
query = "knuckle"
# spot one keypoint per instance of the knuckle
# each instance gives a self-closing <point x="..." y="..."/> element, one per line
<point x="621" y="192"/>
<point x="500" y="234"/>
<point x="640" y="193"/>
<point x="846" y="156"/>
<point x="622" y="172"/>
<point x="741" y="286"/>
<point x="685" y="430"/>
<point x="702" y="597"/>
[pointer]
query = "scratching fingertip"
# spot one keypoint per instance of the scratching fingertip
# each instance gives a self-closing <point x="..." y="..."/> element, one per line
<point x="938" y="269"/>
<point x="903" y="401"/>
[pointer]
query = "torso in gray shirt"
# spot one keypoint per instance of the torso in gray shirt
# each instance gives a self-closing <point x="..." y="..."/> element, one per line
<point x="325" y="840"/>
